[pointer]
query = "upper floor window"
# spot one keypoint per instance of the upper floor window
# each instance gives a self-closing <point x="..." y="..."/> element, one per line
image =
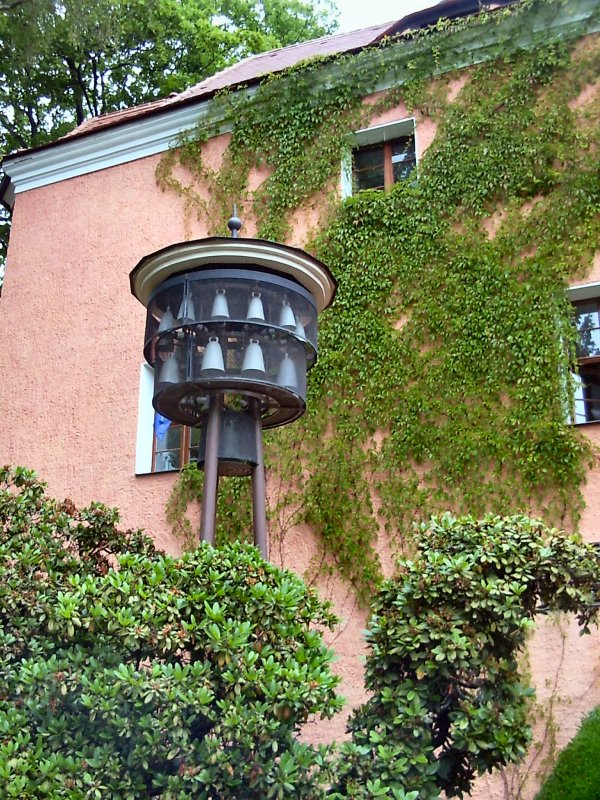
<point x="587" y="381"/>
<point x="379" y="166"/>
<point x="379" y="156"/>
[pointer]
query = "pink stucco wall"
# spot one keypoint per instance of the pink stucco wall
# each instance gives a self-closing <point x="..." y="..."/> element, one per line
<point x="72" y="340"/>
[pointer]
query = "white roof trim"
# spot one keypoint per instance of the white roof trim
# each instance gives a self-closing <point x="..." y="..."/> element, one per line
<point x="104" y="148"/>
<point x="384" y="132"/>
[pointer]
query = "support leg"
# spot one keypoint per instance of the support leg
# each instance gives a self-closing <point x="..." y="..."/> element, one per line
<point x="259" y="510"/>
<point x="211" y="471"/>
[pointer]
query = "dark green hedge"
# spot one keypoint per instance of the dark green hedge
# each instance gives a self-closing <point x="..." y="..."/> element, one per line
<point x="576" y="775"/>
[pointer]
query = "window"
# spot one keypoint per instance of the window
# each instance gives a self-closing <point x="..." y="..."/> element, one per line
<point x="379" y="166"/>
<point x="587" y="382"/>
<point x="380" y="156"/>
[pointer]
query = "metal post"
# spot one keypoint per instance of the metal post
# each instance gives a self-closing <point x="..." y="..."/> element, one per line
<point x="211" y="470"/>
<point x="259" y="510"/>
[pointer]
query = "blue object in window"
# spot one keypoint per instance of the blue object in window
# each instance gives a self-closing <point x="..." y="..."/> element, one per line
<point x="161" y="426"/>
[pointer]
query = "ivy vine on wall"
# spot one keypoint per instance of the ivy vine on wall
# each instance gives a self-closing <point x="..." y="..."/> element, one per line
<point x="442" y="381"/>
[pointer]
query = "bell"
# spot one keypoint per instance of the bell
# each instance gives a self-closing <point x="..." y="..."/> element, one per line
<point x="300" y="330"/>
<point x="186" y="313"/>
<point x="169" y="372"/>
<point x="220" y="309"/>
<point x="254" y="363"/>
<point x="286" y="374"/>
<point x="167" y="322"/>
<point x="256" y="312"/>
<point x="286" y="317"/>
<point x="213" y="365"/>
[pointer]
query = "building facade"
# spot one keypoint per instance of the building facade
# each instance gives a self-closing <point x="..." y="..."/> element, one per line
<point x="510" y="96"/>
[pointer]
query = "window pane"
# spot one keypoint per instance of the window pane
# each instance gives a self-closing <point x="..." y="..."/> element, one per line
<point x="587" y="315"/>
<point x="369" y="158"/>
<point x="579" y="400"/>
<point x="402" y="170"/>
<point x="171" y="440"/>
<point x="590" y="381"/>
<point x="589" y="343"/>
<point x="403" y="157"/>
<point x="167" y="450"/>
<point x="368" y="168"/>
<point x="166" y="461"/>
<point x="194" y="444"/>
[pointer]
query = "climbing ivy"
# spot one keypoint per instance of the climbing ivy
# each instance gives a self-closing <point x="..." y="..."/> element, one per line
<point x="442" y="381"/>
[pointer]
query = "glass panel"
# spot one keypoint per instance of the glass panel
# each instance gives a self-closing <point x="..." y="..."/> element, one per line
<point x="194" y="444"/>
<point x="589" y="343"/>
<point x="167" y="461"/>
<point x="167" y="455"/>
<point x="368" y="168"/>
<point x="403" y="158"/>
<point x="591" y="394"/>
<point x="588" y="325"/>
<point x="171" y="439"/>
<point x="587" y="315"/>
<point x="579" y="402"/>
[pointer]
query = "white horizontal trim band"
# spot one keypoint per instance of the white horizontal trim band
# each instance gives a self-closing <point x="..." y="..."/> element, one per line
<point x="102" y="149"/>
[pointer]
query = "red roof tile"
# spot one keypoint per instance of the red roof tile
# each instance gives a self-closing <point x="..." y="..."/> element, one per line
<point x="246" y="71"/>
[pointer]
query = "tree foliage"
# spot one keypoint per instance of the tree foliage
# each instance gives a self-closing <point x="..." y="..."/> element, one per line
<point x="61" y="63"/>
<point x="162" y="677"/>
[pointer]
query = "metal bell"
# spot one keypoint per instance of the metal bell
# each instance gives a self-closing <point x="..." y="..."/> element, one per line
<point x="186" y="313"/>
<point x="300" y="330"/>
<point x="213" y="365"/>
<point x="167" y="322"/>
<point x="220" y="309"/>
<point x="169" y="372"/>
<point x="286" y="374"/>
<point x="286" y="317"/>
<point x="256" y="312"/>
<point x="254" y="363"/>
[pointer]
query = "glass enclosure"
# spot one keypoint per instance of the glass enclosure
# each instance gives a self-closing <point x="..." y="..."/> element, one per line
<point x="247" y="333"/>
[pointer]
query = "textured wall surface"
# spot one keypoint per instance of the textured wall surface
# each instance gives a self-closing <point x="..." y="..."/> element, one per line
<point x="71" y="350"/>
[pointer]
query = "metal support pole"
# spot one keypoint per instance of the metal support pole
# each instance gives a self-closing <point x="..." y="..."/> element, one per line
<point x="259" y="509"/>
<point x="211" y="470"/>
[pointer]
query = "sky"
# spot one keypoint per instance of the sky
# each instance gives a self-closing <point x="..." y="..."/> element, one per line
<point x="356" y="14"/>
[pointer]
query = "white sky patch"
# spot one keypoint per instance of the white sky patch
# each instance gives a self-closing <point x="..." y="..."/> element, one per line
<point x="355" y="14"/>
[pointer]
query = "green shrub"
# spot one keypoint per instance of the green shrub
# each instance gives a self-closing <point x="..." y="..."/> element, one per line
<point x="576" y="775"/>
<point x="447" y="700"/>
<point x="128" y="674"/>
<point x="162" y="677"/>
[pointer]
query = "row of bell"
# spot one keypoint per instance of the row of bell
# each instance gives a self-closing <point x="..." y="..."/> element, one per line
<point x="253" y="366"/>
<point x="220" y="311"/>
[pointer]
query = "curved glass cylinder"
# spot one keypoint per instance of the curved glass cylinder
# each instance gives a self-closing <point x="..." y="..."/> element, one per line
<point x="245" y="333"/>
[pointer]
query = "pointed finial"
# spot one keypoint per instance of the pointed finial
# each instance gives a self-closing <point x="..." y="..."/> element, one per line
<point x="234" y="224"/>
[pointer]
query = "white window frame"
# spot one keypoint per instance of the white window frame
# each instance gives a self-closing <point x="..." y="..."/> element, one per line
<point x="145" y="422"/>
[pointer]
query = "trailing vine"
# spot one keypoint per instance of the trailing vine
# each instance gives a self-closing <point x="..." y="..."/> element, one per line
<point x="442" y="381"/>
